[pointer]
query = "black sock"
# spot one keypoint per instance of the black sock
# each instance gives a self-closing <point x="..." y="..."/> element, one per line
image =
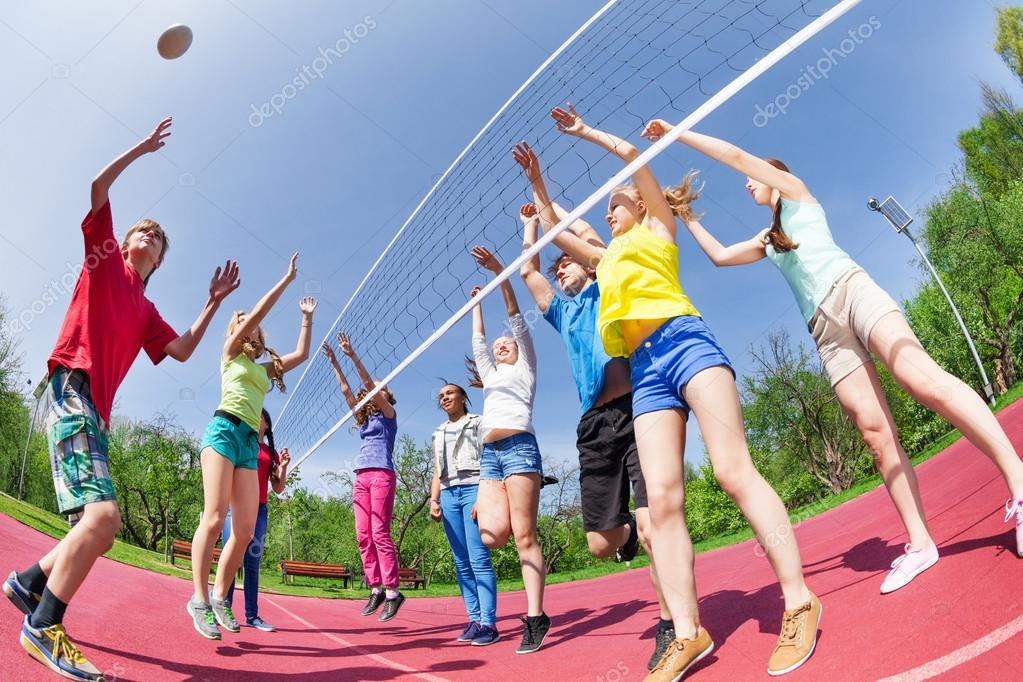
<point x="666" y="625"/>
<point x="49" y="612"/>
<point x="33" y="579"/>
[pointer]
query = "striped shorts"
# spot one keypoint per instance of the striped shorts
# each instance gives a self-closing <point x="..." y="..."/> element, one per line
<point x="77" y="440"/>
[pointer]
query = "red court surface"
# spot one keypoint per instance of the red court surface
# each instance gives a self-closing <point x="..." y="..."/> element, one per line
<point x="960" y="620"/>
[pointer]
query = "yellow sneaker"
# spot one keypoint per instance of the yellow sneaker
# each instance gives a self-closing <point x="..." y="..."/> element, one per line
<point x="53" y="648"/>
<point x="797" y="639"/>
<point x="680" y="656"/>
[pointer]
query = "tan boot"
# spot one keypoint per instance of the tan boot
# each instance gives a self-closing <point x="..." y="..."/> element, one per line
<point x="680" y="656"/>
<point x="797" y="639"/>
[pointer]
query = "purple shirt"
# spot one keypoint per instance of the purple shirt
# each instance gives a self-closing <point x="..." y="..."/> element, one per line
<point x="377" y="451"/>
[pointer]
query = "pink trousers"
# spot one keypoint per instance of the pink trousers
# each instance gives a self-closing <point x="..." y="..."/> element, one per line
<point x="373" y="498"/>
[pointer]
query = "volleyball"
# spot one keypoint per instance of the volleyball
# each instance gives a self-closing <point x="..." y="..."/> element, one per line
<point x="174" y="42"/>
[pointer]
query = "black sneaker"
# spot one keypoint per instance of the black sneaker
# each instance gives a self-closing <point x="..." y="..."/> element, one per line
<point x="375" y="600"/>
<point x="662" y="638"/>
<point x="534" y="633"/>
<point x="627" y="552"/>
<point x="391" y="607"/>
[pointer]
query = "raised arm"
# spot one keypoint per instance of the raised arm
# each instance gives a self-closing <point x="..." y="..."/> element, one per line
<point x="252" y="321"/>
<point x="292" y="360"/>
<point x="579" y="249"/>
<point x="346" y="390"/>
<point x="281" y="479"/>
<point x="101" y="183"/>
<point x="659" y="214"/>
<point x="224" y="281"/>
<point x="540" y="289"/>
<point x="380" y="400"/>
<point x="740" y="253"/>
<point x="488" y="261"/>
<point x="480" y="352"/>
<point x="727" y="153"/>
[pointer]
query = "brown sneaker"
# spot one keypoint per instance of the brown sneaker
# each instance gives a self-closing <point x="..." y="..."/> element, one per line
<point x="798" y="637"/>
<point x="680" y="656"/>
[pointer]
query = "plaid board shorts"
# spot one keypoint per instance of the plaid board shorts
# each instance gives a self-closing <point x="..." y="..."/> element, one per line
<point x="77" y="440"/>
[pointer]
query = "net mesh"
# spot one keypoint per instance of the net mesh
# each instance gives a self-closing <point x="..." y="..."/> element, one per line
<point x="637" y="60"/>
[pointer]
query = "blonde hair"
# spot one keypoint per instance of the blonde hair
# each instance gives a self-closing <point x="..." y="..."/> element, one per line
<point x="679" y="197"/>
<point x="255" y="347"/>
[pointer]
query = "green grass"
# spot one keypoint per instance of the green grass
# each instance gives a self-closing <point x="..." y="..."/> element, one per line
<point x="270" y="580"/>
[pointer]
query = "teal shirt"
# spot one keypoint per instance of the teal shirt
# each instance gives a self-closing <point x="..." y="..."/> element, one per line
<point x="575" y="319"/>
<point x="811" y="269"/>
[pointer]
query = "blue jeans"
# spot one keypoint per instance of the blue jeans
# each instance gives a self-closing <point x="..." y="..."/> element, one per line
<point x="473" y="568"/>
<point x="253" y="555"/>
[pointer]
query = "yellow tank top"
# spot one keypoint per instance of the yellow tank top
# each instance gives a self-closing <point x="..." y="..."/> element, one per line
<point x="638" y="279"/>
<point x="243" y="387"/>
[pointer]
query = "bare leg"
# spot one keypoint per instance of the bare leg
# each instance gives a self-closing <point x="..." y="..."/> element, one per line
<point x="492" y="513"/>
<point x="643" y="523"/>
<point x="604" y="543"/>
<point x="70" y="561"/>
<point x="217" y="475"/>
<point x="524" y="504"/>
<point x="244" y="507"/>
<point x="861" y="395"/>
<point x="715" y="403"/>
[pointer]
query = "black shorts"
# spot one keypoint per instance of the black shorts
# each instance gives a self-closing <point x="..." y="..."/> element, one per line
<point x="608" y="465"/>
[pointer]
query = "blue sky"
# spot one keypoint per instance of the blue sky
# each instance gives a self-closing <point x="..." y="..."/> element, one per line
<point x="337" y="170"/>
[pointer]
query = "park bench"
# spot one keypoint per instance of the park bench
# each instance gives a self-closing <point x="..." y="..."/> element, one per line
<point x="182" y="549"/>
<point x="407" y="576"/>
<point x="312" y="570"/>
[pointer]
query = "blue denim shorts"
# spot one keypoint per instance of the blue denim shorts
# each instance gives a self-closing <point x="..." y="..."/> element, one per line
<point x="661" y="367"/>
<point x="237" y="442"/>
<point x="516" y="454"/>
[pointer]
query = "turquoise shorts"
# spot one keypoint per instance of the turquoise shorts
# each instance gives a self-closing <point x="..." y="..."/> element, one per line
<point x="234" y="440"/>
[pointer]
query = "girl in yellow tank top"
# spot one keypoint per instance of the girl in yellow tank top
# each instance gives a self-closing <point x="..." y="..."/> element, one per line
<point x="677" y="367"/>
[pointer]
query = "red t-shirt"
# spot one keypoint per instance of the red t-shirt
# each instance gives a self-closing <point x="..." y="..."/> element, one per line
<point x="263" y="470"/>
<point x="109" y="319"/>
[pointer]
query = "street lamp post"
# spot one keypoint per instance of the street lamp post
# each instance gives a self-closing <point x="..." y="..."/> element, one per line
<point x="900" y="220"/>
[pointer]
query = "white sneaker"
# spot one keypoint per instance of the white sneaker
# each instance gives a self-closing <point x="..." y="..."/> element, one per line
<point x="908" y="566"/>
<point x="1014" y="507"/>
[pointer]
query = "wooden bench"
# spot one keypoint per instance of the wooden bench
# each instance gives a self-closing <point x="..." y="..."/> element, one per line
<point x="182" y="549"/>
<point x="312" y="570"/>
<point x="407" y="576"/>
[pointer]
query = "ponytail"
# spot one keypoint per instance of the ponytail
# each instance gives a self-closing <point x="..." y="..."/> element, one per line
<point x="276" y="370"/>
<point x="269" y="435"/>
<point x="473" y="372"/>
<point x="681" y="196"/>
<point x="776" y="236"/>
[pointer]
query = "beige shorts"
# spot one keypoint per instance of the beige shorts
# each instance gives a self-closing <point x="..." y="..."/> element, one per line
<point x="842" y="324"/>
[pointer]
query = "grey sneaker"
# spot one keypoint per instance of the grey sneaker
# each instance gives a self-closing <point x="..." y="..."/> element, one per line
<point x="202" y="619"/>
<point x="224" y="615"/>
<point x="259" y="624"/>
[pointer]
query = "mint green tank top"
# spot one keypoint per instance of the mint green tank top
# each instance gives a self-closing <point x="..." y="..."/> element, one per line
<point x="243" y="387"/>
<point x="811" y="269"/>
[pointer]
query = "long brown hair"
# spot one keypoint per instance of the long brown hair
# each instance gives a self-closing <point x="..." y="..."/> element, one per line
<point x="776" y="236"/>
<point x="363" y="414"/>
<point x="268" y="435"/>
<point x="255" y="347"/>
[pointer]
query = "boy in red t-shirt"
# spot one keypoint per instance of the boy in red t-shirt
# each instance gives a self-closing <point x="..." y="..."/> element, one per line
<point x="108" y="321"/>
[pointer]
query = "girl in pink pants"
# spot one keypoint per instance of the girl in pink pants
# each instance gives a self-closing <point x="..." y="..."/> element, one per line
<point x="373" y="492"/>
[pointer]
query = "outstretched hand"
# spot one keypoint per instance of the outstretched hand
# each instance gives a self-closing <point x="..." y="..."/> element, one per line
<point x="528" y="212"/>
<point x="155" y="139"/>
<point x="486" y="259"/>
<point x="285" y="457"/>
<point x="475" y="290"/>
<point x="292" y="267"/>
<point x="328" y="351"/>
<point x="345" y="344"/>
<point x="526" y="158"/>
<point x="568" y="121"/>
<point x="307" y="305"/>
<point x="224" y="281"/>
<point x="656" y="129"/>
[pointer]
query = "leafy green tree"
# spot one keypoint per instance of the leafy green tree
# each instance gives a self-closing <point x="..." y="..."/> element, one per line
<point x="1009" y="38"/>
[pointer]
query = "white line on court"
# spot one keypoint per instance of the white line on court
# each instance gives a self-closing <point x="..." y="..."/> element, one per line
<point x="959" y="656"/>
<point x="376" y="657"/>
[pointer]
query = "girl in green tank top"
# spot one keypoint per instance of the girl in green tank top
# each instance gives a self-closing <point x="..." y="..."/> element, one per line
<point x="229" y="452"/>
<point x="799" y="242"/>
<point x="640" y="297"/>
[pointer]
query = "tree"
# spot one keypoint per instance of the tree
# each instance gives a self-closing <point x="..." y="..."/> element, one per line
<point x="559" y="526"/>
<point x="1009" y="38"/>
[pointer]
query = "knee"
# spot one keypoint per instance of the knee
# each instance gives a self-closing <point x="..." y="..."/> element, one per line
<point x="104" y="520"/>
<point x="734" y="479"/>
<point x="665" y="502"/>
<point x="643" y="530"/>
<point x="525" y="540"/>
<point x="880" y="441"/>
<point x="599" y="546"/>
<point x="494" y="539"/>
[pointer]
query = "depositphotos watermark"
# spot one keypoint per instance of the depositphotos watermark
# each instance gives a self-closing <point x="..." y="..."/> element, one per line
<point x="810" y="74"/>
<point x="308" y="73"/>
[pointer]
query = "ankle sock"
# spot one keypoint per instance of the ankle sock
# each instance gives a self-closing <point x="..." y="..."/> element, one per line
<point x="665" y="625"/>
<point x="49" y="612"/>
<point x="377" y="590"/>
<point x="33" y="579"/>
<point x="391" y="594"/>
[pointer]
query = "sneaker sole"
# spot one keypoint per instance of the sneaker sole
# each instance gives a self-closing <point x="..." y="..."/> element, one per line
<point x="912" y="577"/>
<point x="33" y="651"/>
<point x="487" y="643"/>
<point x="804" y="659"/>
<point x="16" y="598"/>
<point x="191" y="615"/>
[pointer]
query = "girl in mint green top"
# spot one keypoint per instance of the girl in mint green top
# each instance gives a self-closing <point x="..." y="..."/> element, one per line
<point x="230" y="452"/>
<point x="799" y="242"/>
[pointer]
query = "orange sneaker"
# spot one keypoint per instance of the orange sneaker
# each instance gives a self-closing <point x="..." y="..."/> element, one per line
<point x="797" y="639"/>
<point x="680" y="656"/>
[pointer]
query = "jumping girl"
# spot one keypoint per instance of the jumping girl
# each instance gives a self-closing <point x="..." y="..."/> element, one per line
<point x="456" y="476"/>
<point x="375" y="484"/>
<point x="230" y="453"/>
<point x="272" y="469"/>
<point x="677" y="366"/>
<point x="850" y="317"/>
<point x="510" y="470"/>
